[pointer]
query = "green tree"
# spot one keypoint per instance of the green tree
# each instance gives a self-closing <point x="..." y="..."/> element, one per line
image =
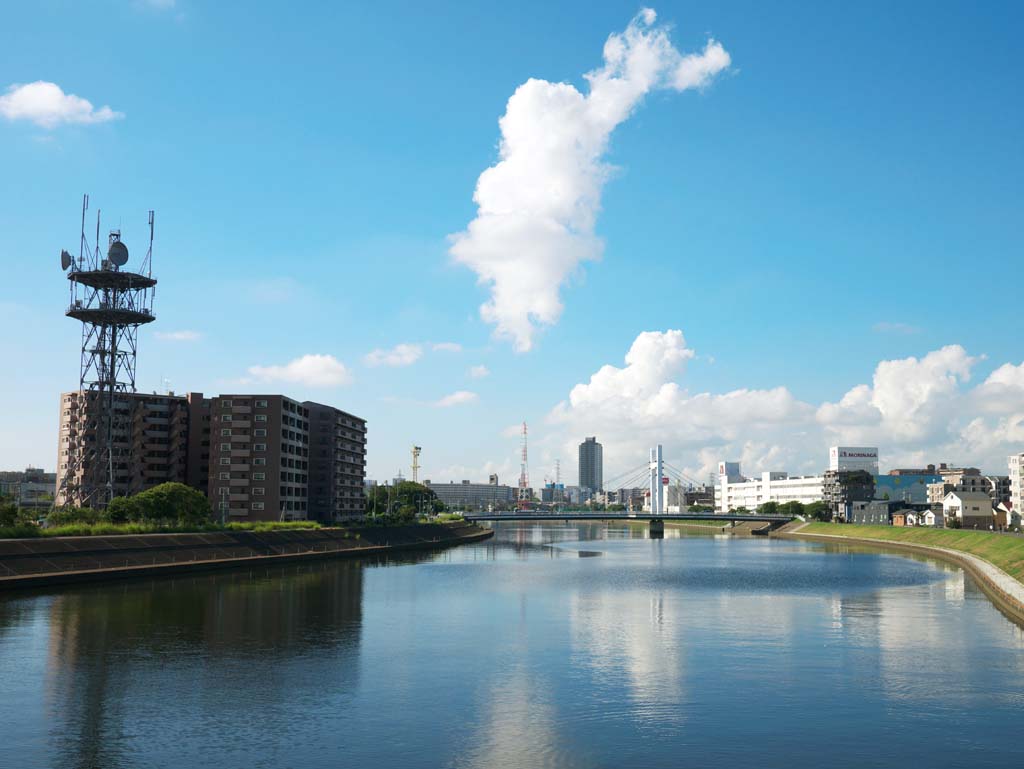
<point x="768" y="508"/>
<point x="819" y="511"/>
<point x="122" y="510"/>
<point x="170" y="502"/>
<point x="792" y="509"/>
<point x="8" y="512"/>
<point x="402" y="501"/>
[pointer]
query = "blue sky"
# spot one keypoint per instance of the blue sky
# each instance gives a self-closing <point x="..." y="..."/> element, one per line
<point x="825" y="203"/>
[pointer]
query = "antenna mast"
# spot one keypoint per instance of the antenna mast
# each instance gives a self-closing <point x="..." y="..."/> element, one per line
<point x="111" y="303"/>
<point x="524" y="478"/>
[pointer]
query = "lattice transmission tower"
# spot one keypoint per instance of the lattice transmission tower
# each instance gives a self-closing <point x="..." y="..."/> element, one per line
<point x="111" y="303"/>
<point x="524" y="502"/>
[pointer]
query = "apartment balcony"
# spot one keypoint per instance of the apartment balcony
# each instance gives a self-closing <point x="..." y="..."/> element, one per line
<point x="234" y="482"/>
<point x="238" y="497"/>
<point x="239" y="468"/>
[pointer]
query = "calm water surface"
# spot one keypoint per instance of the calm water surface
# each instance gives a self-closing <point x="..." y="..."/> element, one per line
<point x="560" y="646"/>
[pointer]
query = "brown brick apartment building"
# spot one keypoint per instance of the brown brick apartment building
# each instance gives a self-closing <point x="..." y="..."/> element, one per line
<point x="257" y="457"/>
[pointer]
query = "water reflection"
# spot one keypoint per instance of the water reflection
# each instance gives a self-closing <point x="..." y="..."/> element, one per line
<point x="116" y="655"/>
<point x="526" y="650"/>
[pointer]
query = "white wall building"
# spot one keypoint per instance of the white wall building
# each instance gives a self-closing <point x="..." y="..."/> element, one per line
<point x="733" y="490"/>
<point x="849" y="458"/>
<point x="973" y="509"/>
<point x="1016" y="463"/>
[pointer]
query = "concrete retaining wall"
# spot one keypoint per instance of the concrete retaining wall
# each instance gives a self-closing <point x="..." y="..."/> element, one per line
<point x="53" y="560"/>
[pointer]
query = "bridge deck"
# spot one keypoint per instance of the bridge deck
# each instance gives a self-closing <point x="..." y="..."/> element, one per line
<point x="626" y="517"/>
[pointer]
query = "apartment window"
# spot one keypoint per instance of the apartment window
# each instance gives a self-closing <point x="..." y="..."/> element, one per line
<point x="224" y="491"/>
<point x="225" y="447"/>
<point x="257" y="505"/>
<point x="259" y="476"/>
<point x="261" y="404"/>
<point x="257" y="491"/>
<point x="260" y="432"/>
<point x="225" y="476"/>
<point x="259" y="447"/>
<point x="261" y="417"/>
<point x="259" y="461"/>
<point x="225" y="432"/>
<point x="226" y="403"/>
<point x="225" y="418"/>
<point x="225" y="460"/>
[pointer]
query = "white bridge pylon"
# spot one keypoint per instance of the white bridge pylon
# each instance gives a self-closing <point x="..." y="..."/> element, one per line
<point x="657" y="484"/>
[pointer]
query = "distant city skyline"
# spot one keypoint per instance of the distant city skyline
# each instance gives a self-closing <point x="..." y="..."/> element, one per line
<point x="738" y="231"/>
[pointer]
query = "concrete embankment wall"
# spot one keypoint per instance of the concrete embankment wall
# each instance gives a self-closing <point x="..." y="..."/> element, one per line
<point x="1007" y="604"/>
<point x="54" y="560"/>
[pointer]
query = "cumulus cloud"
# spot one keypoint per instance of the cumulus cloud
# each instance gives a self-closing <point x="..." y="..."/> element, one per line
<point x="538" y="205"/>
<point x="457" y="398"/>
<point x="309" y="370"/>
<point x="399" y="355"/>
<point x="447" y="347"/>
<point x="46" y="105"/>
<point x="479" y="372"/>
<point x="909" y="400"/>
<point x="917" y="410"/>
<point x="178" y="336"/>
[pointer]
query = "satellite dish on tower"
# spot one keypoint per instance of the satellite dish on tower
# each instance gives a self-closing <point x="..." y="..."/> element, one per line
<point x="65" y="259"/>
<point x="118" y="253"/>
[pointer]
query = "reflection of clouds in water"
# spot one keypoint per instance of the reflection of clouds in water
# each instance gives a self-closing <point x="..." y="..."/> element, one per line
<point x="519" y="726"/>
<point x="627" y="636"/>
<point x="923" y="657"/>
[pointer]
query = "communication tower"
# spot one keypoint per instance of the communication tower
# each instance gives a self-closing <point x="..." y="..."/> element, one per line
<point x="416" y="464"/>
<point x="524" y="502"/>
<point x="111" y="303"/>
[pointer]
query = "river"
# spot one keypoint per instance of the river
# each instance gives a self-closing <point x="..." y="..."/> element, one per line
<point x="547" y="646"/>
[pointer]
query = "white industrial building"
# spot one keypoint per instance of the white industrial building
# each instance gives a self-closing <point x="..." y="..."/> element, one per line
<point x="734" y="490"/>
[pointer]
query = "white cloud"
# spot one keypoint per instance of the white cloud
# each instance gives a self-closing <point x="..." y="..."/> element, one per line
<point x="917" y="410"/>
<point x="46" y="105"/>
<point x="399" y="355"/>
<point x="309" y="370"/>
<point x="479" y="372"/>
<point x="457" y="398"/>
<point x="909" y="401"/>
<point x="538" y="205"/>
<point x="447" y="347"/>
<point x="178" y="336"/>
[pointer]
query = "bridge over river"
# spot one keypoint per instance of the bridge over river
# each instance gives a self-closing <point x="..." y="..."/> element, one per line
<point x="656" y="520"/>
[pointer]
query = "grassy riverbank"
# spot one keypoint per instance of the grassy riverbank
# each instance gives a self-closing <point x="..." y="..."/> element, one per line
<point x="110" y="529"/>
<point x="1002" y="550"/>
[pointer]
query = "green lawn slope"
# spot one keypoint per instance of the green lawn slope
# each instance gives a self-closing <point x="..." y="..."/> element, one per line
<point x="1003" y="550"/>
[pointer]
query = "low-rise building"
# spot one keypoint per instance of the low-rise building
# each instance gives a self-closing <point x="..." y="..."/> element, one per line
<point x="31" y="489"/>
<point x="734" y="491"/>
<point x="970" y="509"/>
<point x="474" y="497"/>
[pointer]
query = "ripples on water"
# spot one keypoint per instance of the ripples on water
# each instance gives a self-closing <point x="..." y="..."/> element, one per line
<point x="560" y="646"/>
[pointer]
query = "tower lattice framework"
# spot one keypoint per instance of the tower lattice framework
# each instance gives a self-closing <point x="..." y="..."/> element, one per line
<point x="111" y="303"/>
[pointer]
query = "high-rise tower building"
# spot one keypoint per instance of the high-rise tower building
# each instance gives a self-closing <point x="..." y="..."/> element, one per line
<point x="591" y="465"/>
